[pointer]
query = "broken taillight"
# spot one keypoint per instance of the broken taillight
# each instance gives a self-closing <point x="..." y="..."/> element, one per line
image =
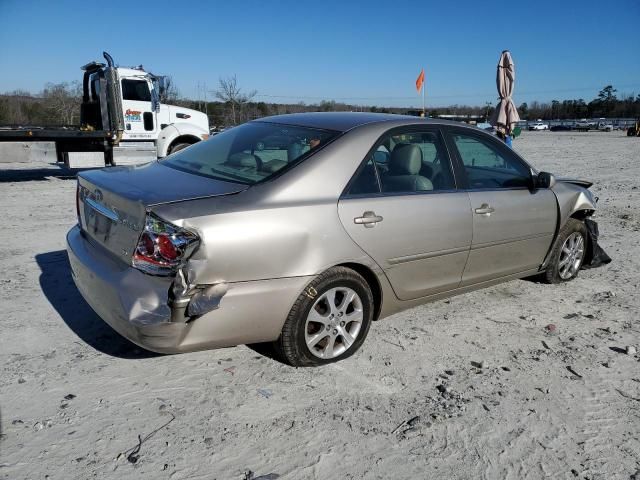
<point x="163" y="247"/>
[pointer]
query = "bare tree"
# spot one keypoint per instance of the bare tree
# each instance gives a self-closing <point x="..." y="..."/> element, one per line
<point x="168" y="90"/>
<point x="62" y="101"/>
<point x="230" y="93"/>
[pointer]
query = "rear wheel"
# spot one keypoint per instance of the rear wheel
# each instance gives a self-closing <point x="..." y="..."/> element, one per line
<point x="568" y="253"/>
<point x="329" y="321"/>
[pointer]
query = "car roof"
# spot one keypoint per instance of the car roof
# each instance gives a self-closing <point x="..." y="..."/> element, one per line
<point x="344" y="121"/>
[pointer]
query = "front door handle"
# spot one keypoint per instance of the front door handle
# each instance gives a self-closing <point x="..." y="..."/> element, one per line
<point x="368" y="219"/>
<point x="485" y="209"/>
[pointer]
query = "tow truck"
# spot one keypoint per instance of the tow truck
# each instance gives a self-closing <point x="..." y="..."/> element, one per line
<point x="120" y="109"/>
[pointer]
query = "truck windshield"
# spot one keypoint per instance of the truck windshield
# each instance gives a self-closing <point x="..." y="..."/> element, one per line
<point x="250" y="153"/>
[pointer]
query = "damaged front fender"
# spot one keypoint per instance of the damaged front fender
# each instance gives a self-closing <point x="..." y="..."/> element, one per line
<point x="573" y="198"/>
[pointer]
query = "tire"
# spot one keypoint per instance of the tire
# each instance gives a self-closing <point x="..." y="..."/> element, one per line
<point x="313" y="333"/>
<point x="560" y="268"/>
<point x="260" y="146"/>
<point x="178" y="146"/>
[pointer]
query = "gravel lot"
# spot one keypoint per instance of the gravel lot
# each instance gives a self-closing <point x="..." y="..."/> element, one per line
<point x="472" y="387"/>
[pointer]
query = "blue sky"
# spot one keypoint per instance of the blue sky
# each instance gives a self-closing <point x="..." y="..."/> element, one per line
<point x="367" y="52"/>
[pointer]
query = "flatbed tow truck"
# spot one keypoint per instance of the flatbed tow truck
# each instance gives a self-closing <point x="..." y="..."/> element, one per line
<point x="120" y="108"/>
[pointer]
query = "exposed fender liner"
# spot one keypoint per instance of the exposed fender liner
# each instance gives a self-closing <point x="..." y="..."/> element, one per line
<point x="595" y="256"/>
<point x="178" y="133"/>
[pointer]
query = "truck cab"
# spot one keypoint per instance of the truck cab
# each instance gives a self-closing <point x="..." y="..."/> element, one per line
<point x="126" y="102"/>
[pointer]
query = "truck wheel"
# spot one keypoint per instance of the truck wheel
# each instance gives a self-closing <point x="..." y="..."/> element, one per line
<point x="568" y="253"/>
<point x="178" y="146"/>
<point x="329" y="321"/>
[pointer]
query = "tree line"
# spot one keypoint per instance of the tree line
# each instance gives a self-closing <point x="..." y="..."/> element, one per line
<point x="59" y="104"/>
<point x="606" y="104"/>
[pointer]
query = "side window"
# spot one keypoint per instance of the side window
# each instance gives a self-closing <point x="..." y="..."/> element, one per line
<point x="136" y="90"/>
<point x="416" y="162"/>
<point x="366" y="181"/>
<point x="405" y="163"/>
<point x="488" y="167"/>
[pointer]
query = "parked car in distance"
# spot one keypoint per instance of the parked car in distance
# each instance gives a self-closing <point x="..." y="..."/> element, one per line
<point x="485" y="126"/>
<point x="605" y="126"/>
<point x="538" y="126"/>
<point x="560" y="128"/>
<point x="217" y="246"/>
<point x="583" y="126"/>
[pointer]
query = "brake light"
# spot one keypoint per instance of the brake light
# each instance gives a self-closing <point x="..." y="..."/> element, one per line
<point x="162" y="247"/>
<point x="166" y="249"/>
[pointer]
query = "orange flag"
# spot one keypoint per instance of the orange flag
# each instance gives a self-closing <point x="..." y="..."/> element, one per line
<point x="420" y="81"/>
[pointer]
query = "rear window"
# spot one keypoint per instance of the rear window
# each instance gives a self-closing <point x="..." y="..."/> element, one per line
<point x="250" y="153"/>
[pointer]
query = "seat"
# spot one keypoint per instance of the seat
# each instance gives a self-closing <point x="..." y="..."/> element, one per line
<point x="294" y="150"/>
<point x="244" y="161"/>
<point x="273" y="166"/>
<point x="404" y="169"/>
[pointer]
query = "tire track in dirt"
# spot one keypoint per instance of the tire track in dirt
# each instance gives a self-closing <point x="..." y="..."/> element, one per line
<point x="600" y="429"/>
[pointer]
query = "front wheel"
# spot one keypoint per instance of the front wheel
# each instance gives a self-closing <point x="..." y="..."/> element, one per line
<point x="329" y="320"/>
<point x="178" y="146"/>
<point x="568" y="253"/>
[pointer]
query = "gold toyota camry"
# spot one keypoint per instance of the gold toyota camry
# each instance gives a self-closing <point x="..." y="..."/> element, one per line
<point x="302" y="229"/>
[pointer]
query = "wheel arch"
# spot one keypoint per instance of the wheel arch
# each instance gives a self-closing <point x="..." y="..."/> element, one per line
<point x="177" y="133"/>
<point x="190" y="139"/>
<point x="372" y="280"/>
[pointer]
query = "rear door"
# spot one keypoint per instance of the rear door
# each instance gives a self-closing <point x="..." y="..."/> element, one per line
<point x="403" y="208"/>
<point x="513" y="224"/>
<point x="139" y="117"/>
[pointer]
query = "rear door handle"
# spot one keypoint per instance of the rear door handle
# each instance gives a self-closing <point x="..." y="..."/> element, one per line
<point x="368" y="219"/>
<point x="485" y="209"/>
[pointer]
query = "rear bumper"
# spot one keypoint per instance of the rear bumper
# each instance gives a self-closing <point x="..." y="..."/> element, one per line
<point x="135" y="304"/>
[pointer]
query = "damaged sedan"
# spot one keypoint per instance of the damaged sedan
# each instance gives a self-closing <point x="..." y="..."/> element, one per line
<point x="345" y="219"/>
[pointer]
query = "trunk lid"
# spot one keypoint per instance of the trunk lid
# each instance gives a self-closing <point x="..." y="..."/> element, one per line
<point x="113" y="202"/>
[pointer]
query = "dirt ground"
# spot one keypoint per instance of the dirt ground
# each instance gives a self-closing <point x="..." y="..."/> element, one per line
<point x="472" y="387"/>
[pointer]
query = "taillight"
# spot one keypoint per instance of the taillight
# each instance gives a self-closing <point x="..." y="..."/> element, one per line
<point x="166" y="249"/>
<point x="162" y="247"/>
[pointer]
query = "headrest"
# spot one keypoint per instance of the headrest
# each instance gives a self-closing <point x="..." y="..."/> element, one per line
<point x="242" y="159"/>
<point x="380" y="157"/>
<point x="405" y="160"/>
<point x="294" y="150"/>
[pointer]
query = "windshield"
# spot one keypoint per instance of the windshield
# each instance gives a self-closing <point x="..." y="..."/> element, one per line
<point x="250" y="153"/>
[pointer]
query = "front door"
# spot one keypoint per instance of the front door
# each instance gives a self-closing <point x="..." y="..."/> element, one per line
<point x="139" y="117"/>
<point x="403" y="209"/>
<point x="513" y="224"/>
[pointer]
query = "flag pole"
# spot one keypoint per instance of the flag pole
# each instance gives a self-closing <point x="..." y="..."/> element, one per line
<point x="424" y="113"/>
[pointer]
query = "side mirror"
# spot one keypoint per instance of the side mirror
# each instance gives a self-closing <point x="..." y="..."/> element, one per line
<point x="545" y="180"/>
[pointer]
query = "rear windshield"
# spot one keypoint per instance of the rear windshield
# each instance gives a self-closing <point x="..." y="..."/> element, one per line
<point x="250" y="153"/>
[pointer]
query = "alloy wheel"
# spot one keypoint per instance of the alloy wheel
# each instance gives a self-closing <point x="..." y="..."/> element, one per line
<point x="334" y="322"/>
<point x="571" y="256"/>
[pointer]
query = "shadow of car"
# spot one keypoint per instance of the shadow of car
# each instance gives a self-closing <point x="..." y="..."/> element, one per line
<point x="57" y="285"/>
